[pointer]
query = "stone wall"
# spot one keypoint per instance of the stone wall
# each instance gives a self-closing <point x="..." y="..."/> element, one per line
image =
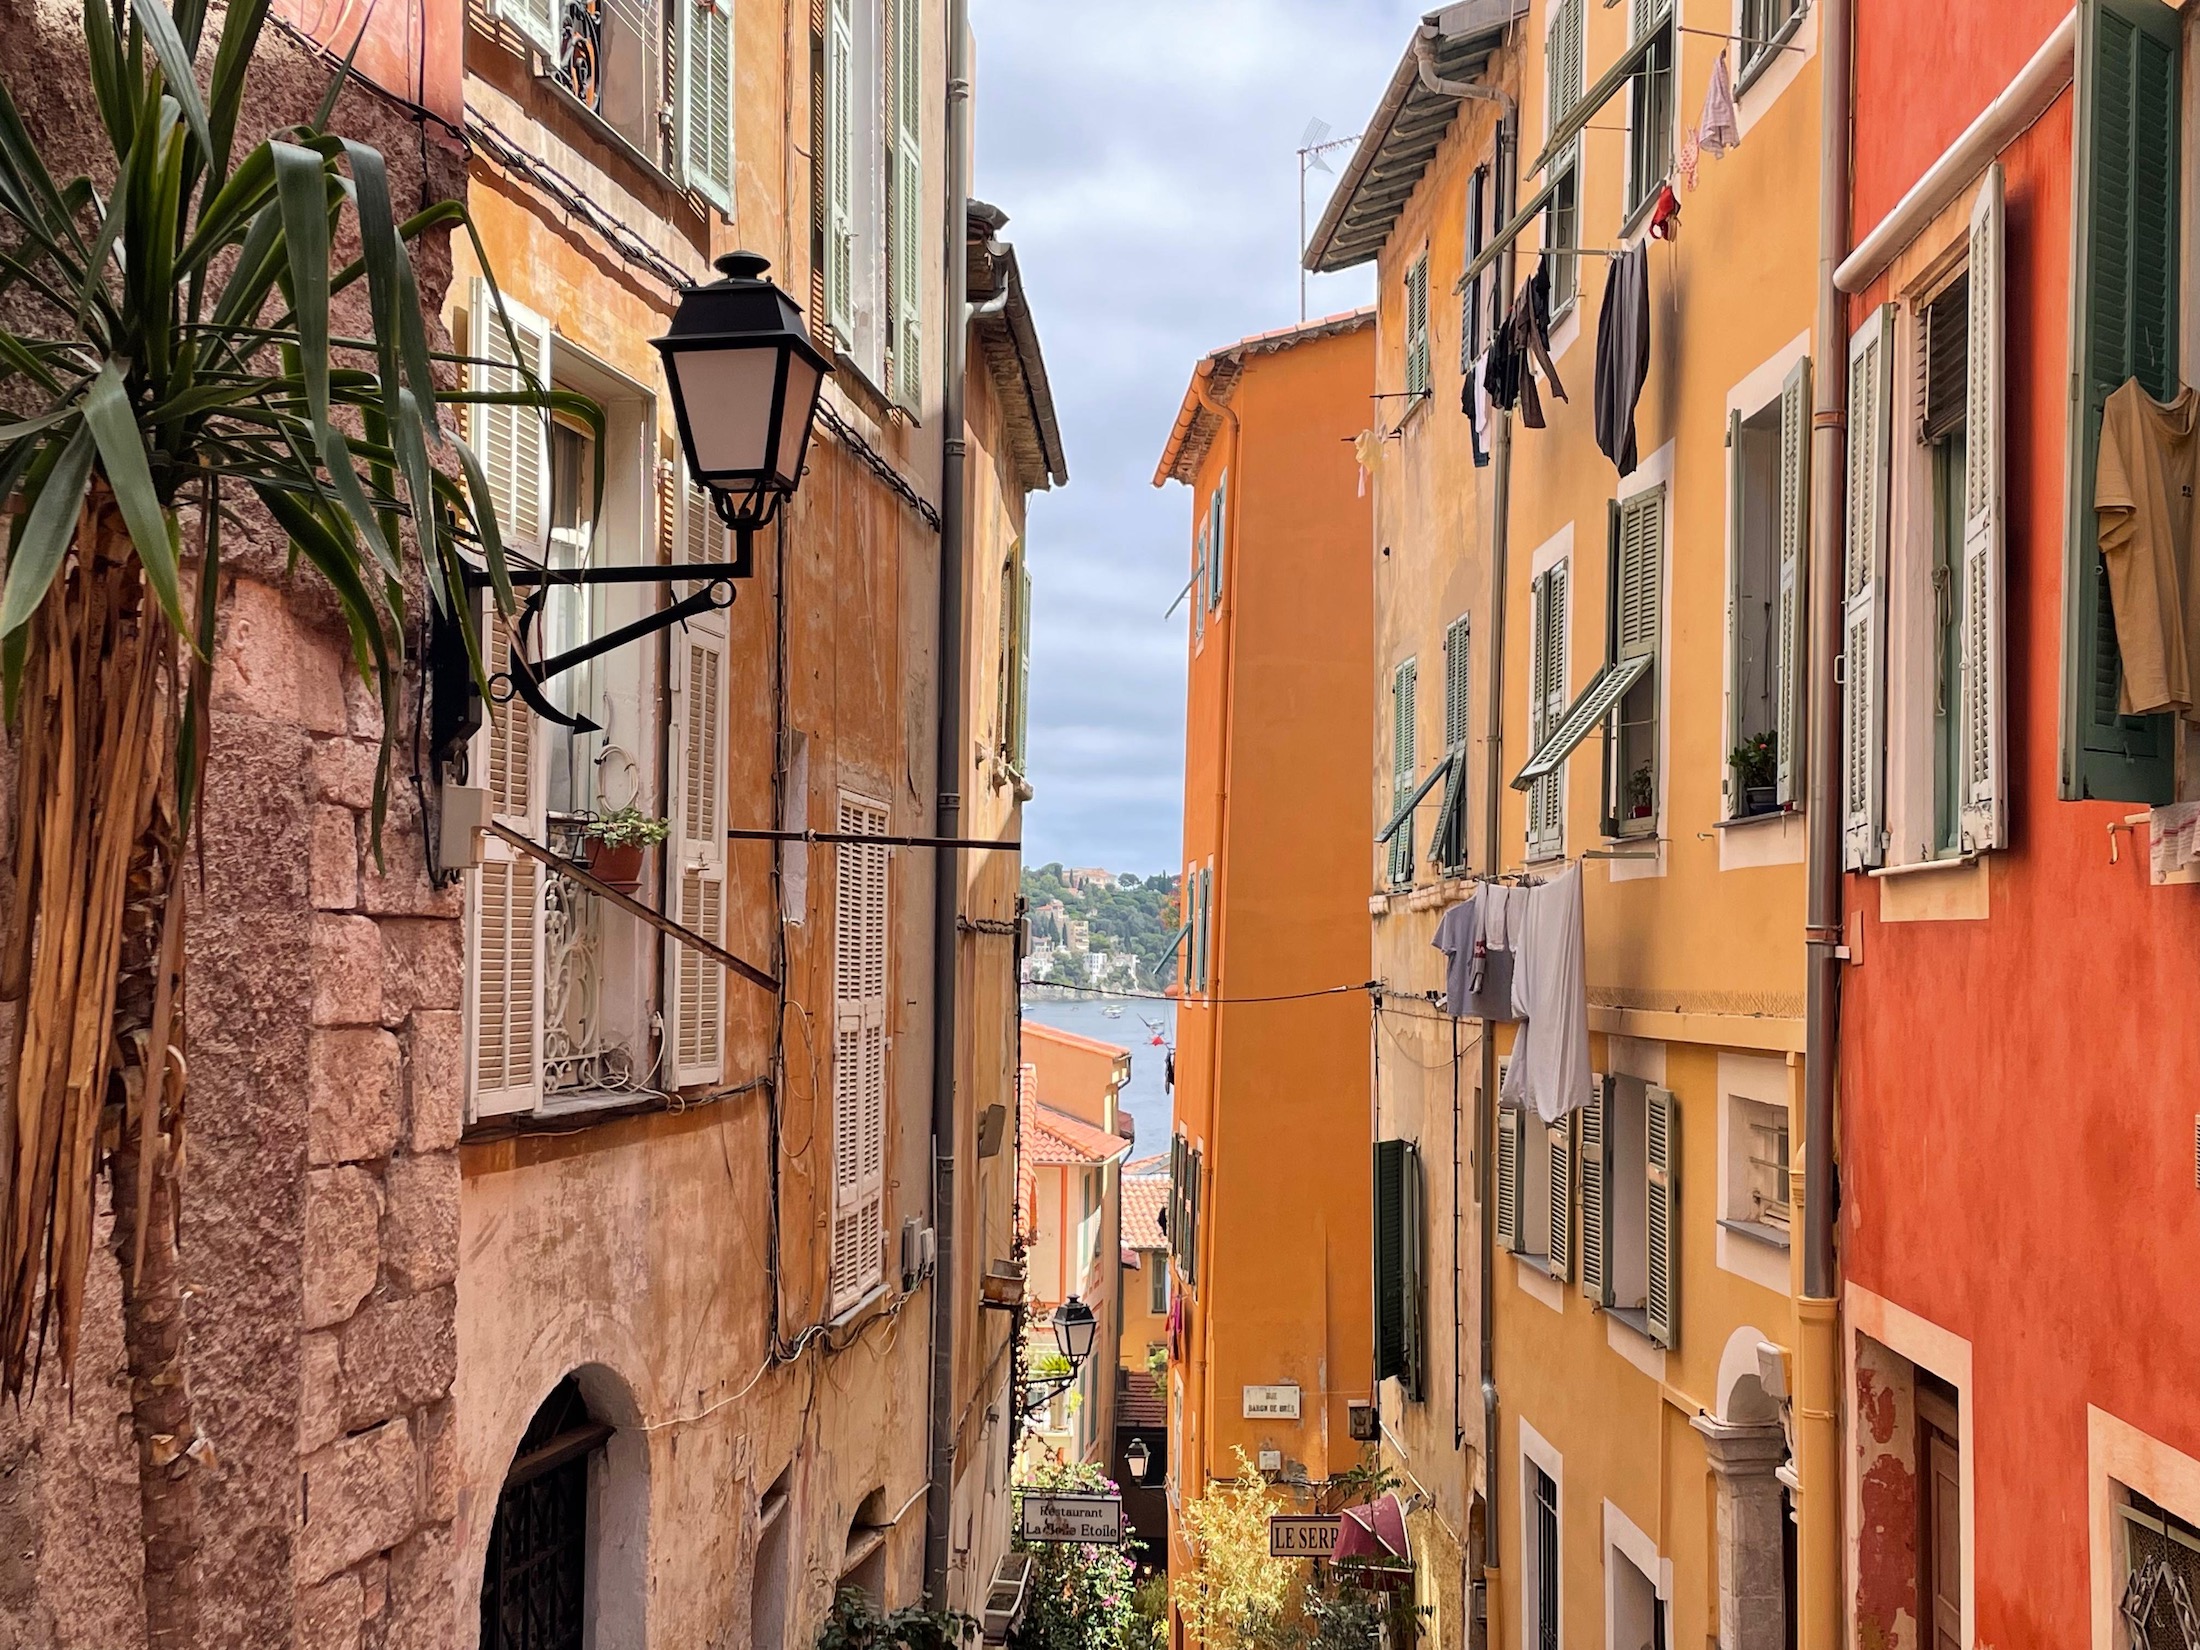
<point x="320" y="1184"/>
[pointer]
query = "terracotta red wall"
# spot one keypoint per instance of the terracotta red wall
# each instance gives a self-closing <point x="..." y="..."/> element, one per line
<point x="2018" y="1093"/>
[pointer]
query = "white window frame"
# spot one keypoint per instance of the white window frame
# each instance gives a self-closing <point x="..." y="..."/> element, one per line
<point x="854" y="170"/>
<point x="1746" y="1080"/>
<point x="1624" y="1539"/>
<point x="2122" y="1458"/>
<point x="1539" y="1452"/>
<point x="1557" y="554"/>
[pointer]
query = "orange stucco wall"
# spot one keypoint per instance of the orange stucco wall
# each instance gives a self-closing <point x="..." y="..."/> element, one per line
<point x="1274" y="1093"/>
<point x="2017" y="1087"/>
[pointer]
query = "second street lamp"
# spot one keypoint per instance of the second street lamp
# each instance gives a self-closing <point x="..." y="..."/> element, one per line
<point x="1136" y="1458"/>
<point x="744" y="379"/>
<point x="1074" y="1328"/>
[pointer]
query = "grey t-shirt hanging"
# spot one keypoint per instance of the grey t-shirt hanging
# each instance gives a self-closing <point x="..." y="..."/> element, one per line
<point x="1478" y="961"/>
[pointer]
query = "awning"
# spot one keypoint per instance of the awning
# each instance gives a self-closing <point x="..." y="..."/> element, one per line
<point x="1607" y="87"/>
<point x="1406" y="807"/>
<point x="1595" y="704"/>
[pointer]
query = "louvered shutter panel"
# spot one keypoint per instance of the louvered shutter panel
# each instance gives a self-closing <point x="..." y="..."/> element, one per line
<point x="1414" y="1246"/>
<point x="511" y="442"/>
<point x="1218" y="539"/>
<point x="535" y="19"/>
<point x="1789" y="638"/>
<point x="907" y="253"/>
<point x="859" y="1057"/>
<point x="1562" y="63"/>
<point x="840" y="143"/>
<point x="1562" y="1200"/>
<point x="1864" y="584"/>
<point x="1390" y="1259"/>
<point x="1596" y="1206"/>
<point x="1207" y="926"/>
<point x="1404" y="762"/>
<point x="1547" y="704"/>
<point x="505" y="922"/>
<point x="1020" y="727"/>
<point x="2126" y="209"/>
<point x="704" y="91"/>
<point x="696" y="991"/>
<point x="1663" y="1155"/>
<point x="1641" y="570"/>
<point x="1984" y="822"/>
<point x="1191" y="1225"/>
<point x="1508" y="1179"/>
<point x="1457" y="686"/>
<point x="1199" y="583"/>
<point x="1417" y="356"/>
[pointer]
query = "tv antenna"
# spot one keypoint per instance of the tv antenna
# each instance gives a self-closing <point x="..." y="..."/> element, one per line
<point x="1314" y="143"/>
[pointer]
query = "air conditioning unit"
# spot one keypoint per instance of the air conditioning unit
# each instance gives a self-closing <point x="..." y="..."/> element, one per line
<point x="1361" y="1423"/>
<point x="1005" y="1598"/>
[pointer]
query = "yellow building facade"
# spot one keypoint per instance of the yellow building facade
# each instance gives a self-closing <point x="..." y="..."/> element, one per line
<point x="1644" y="1313"/>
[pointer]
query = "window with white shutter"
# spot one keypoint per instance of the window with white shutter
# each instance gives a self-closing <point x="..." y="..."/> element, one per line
<point x="1508" y="1178"/>
<point x="1448" y="842"/>
<point x="703" y="90"/>
<point x="839" y="168"/>
<point x="906" y="220"/>
<point x="1199" y="582"/>
<point x="1984" y="802"/>
<point x="1791" y="640"/>
<point x="696" y="988"/>
<point x="508" y="755"/>
<point x="1864" y="600"/>
<point x="537" y="20"/>
<point x="861" y="918"/>
<point x="1768" y="458"/>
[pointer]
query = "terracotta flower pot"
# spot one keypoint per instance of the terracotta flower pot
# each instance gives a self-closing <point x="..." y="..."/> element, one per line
<point x="619" y="866"/>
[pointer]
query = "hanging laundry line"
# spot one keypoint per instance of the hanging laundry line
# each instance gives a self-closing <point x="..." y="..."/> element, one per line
<point x="1736" y="40"/>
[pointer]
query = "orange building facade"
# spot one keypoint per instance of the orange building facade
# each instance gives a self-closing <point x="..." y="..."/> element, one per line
<point x="1268" y="1215"/>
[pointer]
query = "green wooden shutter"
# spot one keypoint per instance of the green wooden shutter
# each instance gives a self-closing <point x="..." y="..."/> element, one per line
<point x="840" y="143"/>
<point x="704" y="92"/>
<point x="1562" y="63"/>
<point x="1417" y="357"/>
<point x="1984" y="811"/>
<point x="1199" y="582"/>
<point x="1508" y="1179"/>
<point x="1448" y="842"/>
<point x="1596" y="1203"/>
<point x="1404" y="763"/>
<point x="2124" y="325"/>
<point x="1561" y="1252"/>
<point x="1414" y="1245"/>
<point x="1641" y="567"/>
<point x="1864" y="594"/>
<point x="1218" y="537"/>
<point x="1457" y="686"/>
<point x="1176" y="1199"/>
<point x="1663" y="1155"/>
<point x="1191" y="1224"/>
<point x="905" y="257"/>
<point x="1390" y="1259"/>
<point x="1789" y="638"/>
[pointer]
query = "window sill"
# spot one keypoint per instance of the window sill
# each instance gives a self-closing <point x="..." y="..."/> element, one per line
<point x="602" y="129"/>
<point x="1954" y="862"/>
<point x="1769" y="54"/>
<point x="1537" y="1263"/>
<point x="1742" y="822"/>
<point x="1772" y="1237"/>
<point x="1421" y="398"/>
<point x="1639" y="214"/>
<point x="1634" y="1318"/>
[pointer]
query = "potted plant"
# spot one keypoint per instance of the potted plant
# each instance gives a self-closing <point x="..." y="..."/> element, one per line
<point x="1755" y="765"/>
<point x="1641" y="793"/>
<point x="615" y="842"/>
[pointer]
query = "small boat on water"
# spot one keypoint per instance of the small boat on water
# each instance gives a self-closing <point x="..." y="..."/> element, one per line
<point x="1114" y="1012"/>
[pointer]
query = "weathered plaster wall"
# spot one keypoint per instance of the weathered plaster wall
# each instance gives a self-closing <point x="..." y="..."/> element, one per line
<point x="320" y="1190"/>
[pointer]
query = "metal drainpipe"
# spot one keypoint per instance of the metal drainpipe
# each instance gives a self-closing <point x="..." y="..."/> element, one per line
<point x="1819" y="1532"/>
<point x="939" y="1504"/>
<point x="1493" y="781"/>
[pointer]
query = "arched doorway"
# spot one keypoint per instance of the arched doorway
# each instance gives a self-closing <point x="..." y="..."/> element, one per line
<point x="534" y="1587"/>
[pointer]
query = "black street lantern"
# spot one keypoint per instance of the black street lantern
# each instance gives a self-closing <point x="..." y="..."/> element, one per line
<point x="744" y="378"/>
<point x="1136" y="1459"/>
<point x="1074" y="1327"/>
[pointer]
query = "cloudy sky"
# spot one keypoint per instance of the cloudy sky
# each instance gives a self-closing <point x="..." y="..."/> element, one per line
<point x="1144" y="151"/>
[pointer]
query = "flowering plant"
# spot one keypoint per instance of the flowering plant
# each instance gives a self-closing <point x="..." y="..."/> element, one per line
<point x="1080" y="1594"/>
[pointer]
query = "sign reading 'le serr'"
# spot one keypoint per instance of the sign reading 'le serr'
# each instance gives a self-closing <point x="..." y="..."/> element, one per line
<point x="1303" y="1535"/>
<point x="1272" y="1403"/>
<point x="1095" y="1520"/>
